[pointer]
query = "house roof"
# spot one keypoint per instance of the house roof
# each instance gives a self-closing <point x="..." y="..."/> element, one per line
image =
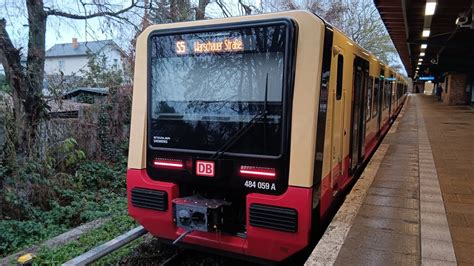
<point x="83" y="48"/>
<point x="72" y="91"/>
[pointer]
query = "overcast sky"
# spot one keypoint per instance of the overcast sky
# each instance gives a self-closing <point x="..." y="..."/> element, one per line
<point x="62" y="30"/>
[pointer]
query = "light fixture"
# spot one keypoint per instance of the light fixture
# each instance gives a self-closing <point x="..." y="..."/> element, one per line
<point x="423" y="46"/>
<point x="426" y="33"/>
<point x="422" y="54"/>
<point x="168" y="163"/>
<point x="430" y="8"/>
<point x="419" y="63"/>
<point x="421" y="59"/>
<point x="258" y="172"/>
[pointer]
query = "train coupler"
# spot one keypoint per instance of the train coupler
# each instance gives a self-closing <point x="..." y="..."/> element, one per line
<point x="199" y="214"/>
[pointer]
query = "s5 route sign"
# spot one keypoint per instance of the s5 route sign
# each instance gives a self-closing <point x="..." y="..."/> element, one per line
<point x="204" y="168"/>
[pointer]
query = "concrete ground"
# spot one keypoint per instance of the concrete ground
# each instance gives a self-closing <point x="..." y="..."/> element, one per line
<point x="414" y="203"/>
<point x="451" y="134"/>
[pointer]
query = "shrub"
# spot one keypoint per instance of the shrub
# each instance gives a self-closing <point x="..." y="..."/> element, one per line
<point x="39" y="202"/>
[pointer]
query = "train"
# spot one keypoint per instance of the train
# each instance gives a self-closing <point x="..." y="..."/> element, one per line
<point x="245" y="130"/>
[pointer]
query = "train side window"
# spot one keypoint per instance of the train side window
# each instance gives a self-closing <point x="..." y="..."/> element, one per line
<point x="385" y="89"/>
<point x="375" y="107"/>
<point x="387" y="92"/>
<point x="370" y="82"/>
<point x="396" y="91"/>
<point x="340" y="67"/>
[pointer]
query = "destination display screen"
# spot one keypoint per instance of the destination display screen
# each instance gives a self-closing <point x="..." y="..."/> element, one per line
<point x="210" y="46"/>
<point x="205" y="86"/>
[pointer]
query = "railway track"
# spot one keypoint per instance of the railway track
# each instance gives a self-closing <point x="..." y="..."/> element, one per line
<point x="107" y="248"/>
<point x="151" y="253"/>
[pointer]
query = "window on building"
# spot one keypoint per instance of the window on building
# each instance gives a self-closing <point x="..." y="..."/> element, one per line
<point x="61" y="64"/>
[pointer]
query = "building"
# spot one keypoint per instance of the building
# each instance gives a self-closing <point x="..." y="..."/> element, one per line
<point x="86" y="94"/>
<point x="71" y="58"/>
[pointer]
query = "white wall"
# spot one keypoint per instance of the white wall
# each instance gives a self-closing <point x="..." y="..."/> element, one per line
<point x="73" y="64"/>
<point x="112" y="55"/>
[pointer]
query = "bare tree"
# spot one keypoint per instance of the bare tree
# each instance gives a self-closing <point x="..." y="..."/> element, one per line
<point x="166" y="11"/>
<point x="201" y="9"/>
<point x="363" y="24"/>
<point x="358" y="19"/>
<point x="27" y="82"/>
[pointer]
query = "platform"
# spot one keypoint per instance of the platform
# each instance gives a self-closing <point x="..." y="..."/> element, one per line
<point x="414" y="202"/>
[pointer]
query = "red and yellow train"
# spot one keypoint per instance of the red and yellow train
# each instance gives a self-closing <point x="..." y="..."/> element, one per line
<point x="244" y="130"/>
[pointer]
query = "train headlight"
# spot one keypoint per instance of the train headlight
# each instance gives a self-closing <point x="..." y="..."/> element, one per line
<point x="258" y="172"/>
<point x="168" y="163"/>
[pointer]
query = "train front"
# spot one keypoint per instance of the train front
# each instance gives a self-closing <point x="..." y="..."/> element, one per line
<point x="210" y="139"/>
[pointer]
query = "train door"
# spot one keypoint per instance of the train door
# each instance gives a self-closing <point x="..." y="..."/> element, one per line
<point x="337" y="117"/>
<point x="357" y="138"/>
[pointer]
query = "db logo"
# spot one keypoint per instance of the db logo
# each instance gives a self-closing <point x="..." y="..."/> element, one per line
<point x="204" y="168"/>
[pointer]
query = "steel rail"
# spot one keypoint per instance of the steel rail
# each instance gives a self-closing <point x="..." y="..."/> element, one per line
<point x="106" y="248"/>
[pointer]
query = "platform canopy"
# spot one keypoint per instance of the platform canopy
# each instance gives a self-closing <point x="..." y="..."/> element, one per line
<point x="450" y="41"/>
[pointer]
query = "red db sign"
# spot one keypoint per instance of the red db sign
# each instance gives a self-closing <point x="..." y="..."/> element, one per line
<point x="204" y="168"/>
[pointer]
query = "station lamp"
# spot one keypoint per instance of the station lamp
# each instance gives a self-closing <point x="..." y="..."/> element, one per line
<point x="422" y="54"/>
<point x="426" y="33"/>
<point x="423" y="46"/>
<point x="430" y="8"/>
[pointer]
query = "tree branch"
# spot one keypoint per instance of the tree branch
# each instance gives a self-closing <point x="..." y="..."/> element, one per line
<point x="246" y="8"/>
<point x="223" y="8"/>
<point x="55" y="12"/>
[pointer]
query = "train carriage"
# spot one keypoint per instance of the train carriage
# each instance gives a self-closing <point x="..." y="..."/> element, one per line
<point x="244" y="130"/>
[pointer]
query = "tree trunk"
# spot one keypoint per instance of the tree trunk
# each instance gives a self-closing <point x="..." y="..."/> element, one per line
<point x="201" y="9"/>
<point x="34" y="105"/>
<point x="27" y="84"/>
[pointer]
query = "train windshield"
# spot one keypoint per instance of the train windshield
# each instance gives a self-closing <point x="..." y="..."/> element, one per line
<point x="206" y="86"/>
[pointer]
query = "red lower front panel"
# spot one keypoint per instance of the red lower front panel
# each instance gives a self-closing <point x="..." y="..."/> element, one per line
<point x="260" y="242"/>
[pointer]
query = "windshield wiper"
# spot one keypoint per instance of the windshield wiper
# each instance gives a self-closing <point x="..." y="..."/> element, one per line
<point x="242" y="131"/>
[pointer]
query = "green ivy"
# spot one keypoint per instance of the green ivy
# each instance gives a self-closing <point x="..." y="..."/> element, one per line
<point x="42" y="203"/>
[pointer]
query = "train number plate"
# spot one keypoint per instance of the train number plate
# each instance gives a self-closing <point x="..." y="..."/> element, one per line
<point x="204" y="168"/>
<point x="260" y="185"/>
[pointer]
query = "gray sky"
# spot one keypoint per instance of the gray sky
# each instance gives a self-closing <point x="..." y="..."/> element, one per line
<point x="62" y="30"/>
